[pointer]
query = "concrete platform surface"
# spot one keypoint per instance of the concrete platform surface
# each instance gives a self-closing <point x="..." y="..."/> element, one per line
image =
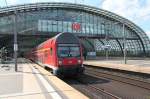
<point x="142" y="66"/>
<point x="33" y="82"/>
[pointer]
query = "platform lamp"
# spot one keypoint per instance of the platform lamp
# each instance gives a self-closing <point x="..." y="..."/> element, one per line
<point x="15" y="40"/>
<point x="107" y="46"/>
<point x="15" y="36"/>
<point x="124" y="41"/>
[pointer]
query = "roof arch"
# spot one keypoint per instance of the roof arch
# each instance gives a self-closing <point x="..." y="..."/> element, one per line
<point x="112" y="16"/>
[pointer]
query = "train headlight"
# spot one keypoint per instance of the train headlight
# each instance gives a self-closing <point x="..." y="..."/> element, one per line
<point x="79" y="61"/>
<point x="60" y="62"/>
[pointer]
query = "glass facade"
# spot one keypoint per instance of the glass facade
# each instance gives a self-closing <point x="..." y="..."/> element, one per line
<point x="105" y="30"/>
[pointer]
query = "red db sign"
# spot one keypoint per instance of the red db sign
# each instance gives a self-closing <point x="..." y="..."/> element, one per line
<point x="76" y="26"/>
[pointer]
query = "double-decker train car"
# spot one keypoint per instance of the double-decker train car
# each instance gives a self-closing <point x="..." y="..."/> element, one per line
<point x="62" y="53"/>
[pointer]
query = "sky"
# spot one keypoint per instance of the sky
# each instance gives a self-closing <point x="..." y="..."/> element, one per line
<point x="137" y="11"/>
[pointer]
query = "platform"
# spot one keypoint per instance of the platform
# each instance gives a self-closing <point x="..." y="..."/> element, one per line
<point x="33" y="82"/>
<point x="136" y="65"/>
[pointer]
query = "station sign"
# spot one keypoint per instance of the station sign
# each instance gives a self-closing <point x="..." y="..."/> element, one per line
<point x="107" y="47"/>
<point x="91" y="53"/>
<point x="76" y="26"/>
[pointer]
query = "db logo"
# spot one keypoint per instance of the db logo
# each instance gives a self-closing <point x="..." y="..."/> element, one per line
<point x="76" y="26"/>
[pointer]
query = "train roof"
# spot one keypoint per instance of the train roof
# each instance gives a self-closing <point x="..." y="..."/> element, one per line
<point x="66" y="38"/>
<point x="61" y="38"/>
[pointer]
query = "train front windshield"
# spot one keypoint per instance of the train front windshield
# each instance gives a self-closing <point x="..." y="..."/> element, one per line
<point x="68" y="50"/>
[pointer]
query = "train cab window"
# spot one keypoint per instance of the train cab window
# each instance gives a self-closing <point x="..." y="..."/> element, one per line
<point x="63" y="51"/>
<point x="51" y="51"/>
<point x="74" y="51"/>
<point x="68" y="51"/>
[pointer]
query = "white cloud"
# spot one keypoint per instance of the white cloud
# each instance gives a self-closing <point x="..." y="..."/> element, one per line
<point x="148" y="33"/>
<point x="11" y="2"/>
<point x="14" y="2"/>
<point x="71" y="1"/>
<point x="137" y="11"/>
<point x="131" y="9"/>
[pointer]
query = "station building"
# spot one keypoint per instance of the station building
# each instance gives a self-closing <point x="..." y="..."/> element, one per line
<point x="99" y="30"/>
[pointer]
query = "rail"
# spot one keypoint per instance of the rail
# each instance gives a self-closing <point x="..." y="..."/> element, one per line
<point x="117" y="77"/>
<point x="105" y="93"/>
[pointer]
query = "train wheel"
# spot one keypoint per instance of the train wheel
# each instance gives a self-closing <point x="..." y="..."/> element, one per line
<point x="48" y="69"/>
<point x="45" y="67"/>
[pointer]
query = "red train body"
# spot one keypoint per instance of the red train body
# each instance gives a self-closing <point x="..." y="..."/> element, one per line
<point x="62" y="53"/>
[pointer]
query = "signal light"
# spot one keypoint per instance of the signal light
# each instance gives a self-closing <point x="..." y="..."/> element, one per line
<point x="79" y="61"/>
<point x="60" y="62"/>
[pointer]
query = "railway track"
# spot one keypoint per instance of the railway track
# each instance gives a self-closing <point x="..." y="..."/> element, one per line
<point x="94" y="91"/>
<point x="90" y="90"/>
<point x="119" y="77"/>
<point x="102" y="94"/>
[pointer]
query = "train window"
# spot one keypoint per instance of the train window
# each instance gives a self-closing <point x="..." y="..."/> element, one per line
<point x="51" y="51"/>
<point x="68" y="51"/>
<point x="74" y="51"/>
<point x="63" y="51"/>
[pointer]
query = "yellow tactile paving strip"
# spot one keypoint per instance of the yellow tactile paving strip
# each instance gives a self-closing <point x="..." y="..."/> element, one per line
<point x="126" y="67"/>
<point x="67" y="90"/>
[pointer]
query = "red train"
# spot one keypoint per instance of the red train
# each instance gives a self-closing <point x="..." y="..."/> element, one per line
<point x="62" y="53"/>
